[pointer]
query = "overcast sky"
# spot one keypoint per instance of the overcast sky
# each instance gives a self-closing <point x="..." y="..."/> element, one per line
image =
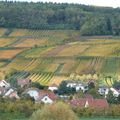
<point x="111" y="3"/>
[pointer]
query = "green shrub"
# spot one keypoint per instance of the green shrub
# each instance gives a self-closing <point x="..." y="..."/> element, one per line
<point x="57" y="111"/>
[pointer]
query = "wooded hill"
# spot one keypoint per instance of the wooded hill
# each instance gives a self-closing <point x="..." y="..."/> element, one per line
<point x="90" y="20"/>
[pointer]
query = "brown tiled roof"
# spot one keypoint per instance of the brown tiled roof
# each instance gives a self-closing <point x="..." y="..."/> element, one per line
<point x="91" y="102"/>
<point x="23" y="81"/>
<point x="50" y="94"/>
<point x="100" y="103"/>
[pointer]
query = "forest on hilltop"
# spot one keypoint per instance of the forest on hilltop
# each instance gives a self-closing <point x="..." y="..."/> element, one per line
<point x="90" y="20"/>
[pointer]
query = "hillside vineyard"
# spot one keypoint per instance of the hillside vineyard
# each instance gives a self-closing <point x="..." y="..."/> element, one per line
<point x="50" y="56"/>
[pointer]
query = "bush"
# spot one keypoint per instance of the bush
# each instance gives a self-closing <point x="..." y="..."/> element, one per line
<point x="57" y="111"/>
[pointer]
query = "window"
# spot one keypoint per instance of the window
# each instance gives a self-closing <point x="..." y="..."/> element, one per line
<point x="45" y="99"/>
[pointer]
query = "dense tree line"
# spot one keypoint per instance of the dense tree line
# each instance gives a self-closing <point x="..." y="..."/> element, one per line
<point x="90" y="20"/>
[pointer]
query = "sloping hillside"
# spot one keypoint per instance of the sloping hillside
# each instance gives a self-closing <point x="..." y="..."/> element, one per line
<point x="50" y="56"/>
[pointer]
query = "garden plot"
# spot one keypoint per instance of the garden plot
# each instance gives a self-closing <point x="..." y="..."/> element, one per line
<point x="8" y="54"/>
<point x="73" y="50"/>
<point x="6" y="41"/>
<point x="32" y="42"/>
<point x="18" y="32"/>
<point x="101" y="50"/>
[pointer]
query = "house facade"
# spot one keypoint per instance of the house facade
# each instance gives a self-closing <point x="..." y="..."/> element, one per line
<point x="77" y="85"/>
<point x="103" y="90"/>
<point x="33" y="92"/>
<point x="47" y="97"/>
<point x="4" y="84"/>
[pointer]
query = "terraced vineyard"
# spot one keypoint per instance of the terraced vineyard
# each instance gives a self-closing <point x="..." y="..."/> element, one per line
<point x="50" y="56"/>
<point x="42" y="78"/>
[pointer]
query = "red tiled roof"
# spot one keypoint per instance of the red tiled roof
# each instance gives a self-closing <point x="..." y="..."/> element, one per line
<point x="44" y="93"/>
<point x="23" y="81"/>
<point x="100" y="103"/>
<point x="91" y="102"/>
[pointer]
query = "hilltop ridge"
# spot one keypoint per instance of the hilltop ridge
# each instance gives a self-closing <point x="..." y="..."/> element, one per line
<point x="89" y="20"/>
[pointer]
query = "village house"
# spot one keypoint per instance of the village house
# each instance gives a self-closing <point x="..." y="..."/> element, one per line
<point x="103" y="90"/>
<point x="14" y="95"/>
<point x="11" y="93"/>
<point x="115" y="92"/>
<point x="81" y="87"/>
<point x="4" y="84"/>
<point x="33" y="92"/>
<point x="64" y="97"/>
<point x="77" y="85"/>
<point x="89" y="102"/>
<point x="53" y="87"/>
<point x="71" y="84"/>
<point x="47" y="97"/>
<point x="23" y="82"/>
<point x="44" y="96"/>
<point x="2" y="91"/>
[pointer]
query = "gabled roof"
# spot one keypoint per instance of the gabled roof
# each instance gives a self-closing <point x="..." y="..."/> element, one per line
<point x="91" y="102"/>
<point x="30" y="89"/>
<point x="5" y="82"/>
<point x="14" y="95"/>
<point x="50" y="94"/>
<point x="23" y="81"/>
<point x="114" y="90"/>
<point x="11" y="93"/>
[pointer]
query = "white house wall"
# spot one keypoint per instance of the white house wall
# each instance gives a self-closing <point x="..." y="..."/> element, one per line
<point x="46" y="100"/>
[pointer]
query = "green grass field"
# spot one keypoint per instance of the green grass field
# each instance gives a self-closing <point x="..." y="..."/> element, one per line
<point x="16" y="116"/>
<point x="100" y="118"/>
<point x="48" y="53"/>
